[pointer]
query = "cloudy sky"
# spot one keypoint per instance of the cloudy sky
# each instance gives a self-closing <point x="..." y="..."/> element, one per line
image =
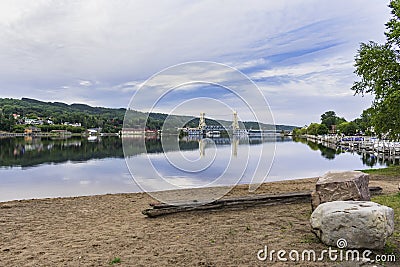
<point x="300" y="53"/>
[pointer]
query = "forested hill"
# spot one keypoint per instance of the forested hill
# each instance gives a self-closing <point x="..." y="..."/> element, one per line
<point x="54" y="109"/>
<point x="109" y="119"/>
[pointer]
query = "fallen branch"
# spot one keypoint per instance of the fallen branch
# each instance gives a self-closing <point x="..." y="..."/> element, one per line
<point x="236" y="203"/>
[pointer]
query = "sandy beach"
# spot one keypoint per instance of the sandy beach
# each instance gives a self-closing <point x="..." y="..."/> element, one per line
<point x="92" y="231"/>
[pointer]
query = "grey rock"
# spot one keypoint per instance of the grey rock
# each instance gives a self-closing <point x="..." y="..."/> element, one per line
<point x="334" y="186"/>
<point x="362" y="224"/>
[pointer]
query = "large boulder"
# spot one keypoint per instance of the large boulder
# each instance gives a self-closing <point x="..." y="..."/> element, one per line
<point x="361" y="224"/>
<point x="334" y="186"/>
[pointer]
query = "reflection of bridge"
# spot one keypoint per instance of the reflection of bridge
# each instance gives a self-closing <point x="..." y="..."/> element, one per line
<point x="234" y="141"/>
<point x="219" y="141"/>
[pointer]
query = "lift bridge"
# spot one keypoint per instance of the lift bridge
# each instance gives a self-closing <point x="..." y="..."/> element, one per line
<point x="215" y="130"/>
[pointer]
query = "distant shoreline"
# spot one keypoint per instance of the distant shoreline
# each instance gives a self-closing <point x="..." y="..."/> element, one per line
<point x="51" y="135"/>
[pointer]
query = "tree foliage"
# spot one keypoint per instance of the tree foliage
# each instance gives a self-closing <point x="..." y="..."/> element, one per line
<point x="6" y="122"/>
<point x="90" y="117"/>
<point x="387" y="116"/>
<point x="330" y="118"/>
<point x="317" y="129"/>
<point x="322" y="129"/>
<point x="348" y="128"/>
<point x="365" y="121"/>
<point x="378" y="66"/>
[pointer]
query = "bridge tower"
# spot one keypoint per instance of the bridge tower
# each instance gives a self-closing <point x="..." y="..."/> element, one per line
<point x="202" y="122"/>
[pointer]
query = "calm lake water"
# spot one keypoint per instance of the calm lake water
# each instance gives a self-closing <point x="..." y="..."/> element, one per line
<point x="41" y="168"/>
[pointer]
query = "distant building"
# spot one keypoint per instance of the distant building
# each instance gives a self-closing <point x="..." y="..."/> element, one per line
<point x="93" y="131"/>
<point x="32" y="121"/>
<point x="32" y="130"/>
<point x="77" y="124"/>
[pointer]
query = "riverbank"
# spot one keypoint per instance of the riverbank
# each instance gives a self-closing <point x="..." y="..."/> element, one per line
<point x="93" y="231"/>
<point x="60" y="134"/>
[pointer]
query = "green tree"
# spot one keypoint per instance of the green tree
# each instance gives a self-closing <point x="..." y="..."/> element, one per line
<point x="19" y="128"/>
<point x="296" y="132"/>
<point x="322" y="129"/>
<point x="313" y="128"/>
<point x="330" y="118"/>
<point x="303" y="131"/>
<point x="387" y="116"/>
<point x="347" y="128"/>
<point x="7" y="122"/>
<point x="364" y="123"/>
<point x="378" y="66"/>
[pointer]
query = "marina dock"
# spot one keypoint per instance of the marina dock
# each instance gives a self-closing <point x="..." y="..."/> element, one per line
<point x="383" y="150"/>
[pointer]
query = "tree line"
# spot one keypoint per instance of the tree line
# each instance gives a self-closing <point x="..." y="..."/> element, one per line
<point x="110" y="120"/>
<point x="331" y="123"/>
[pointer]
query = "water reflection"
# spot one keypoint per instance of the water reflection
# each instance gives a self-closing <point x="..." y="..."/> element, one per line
<point x="30" y="152"/>
<point x="326" y="152"/>
<point x="37" y="168"/>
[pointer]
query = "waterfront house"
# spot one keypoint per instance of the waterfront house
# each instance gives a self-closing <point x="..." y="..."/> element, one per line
<point x="93" y="131"/>
<point x="76" y="124"/>
<point x="32" y="131"/>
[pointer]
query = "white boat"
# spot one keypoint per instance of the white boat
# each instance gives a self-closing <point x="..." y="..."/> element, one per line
<point x="214" y="134"/>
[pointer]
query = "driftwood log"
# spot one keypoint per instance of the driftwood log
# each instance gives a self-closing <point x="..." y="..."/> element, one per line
<point x="237" y="203"/>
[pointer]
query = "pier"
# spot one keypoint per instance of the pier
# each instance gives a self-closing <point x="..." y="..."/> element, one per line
<point x="383" y="150"/>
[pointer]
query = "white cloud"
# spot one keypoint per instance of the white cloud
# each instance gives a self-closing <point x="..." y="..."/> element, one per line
<point x="85" y="83"/>
<point x="114" y="46"/>
<point x="298" y="70"/>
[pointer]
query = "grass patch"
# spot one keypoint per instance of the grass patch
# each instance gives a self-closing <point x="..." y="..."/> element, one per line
<point x="232" y="232"/>
<point x="310" y="239"/>
<point x="115" y="260"/>
<point x="393" y="201"/>
<point x="392" y="170"/>
<point x="390" y="247"/>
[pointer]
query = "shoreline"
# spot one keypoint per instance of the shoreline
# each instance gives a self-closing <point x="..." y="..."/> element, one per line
<point x="176" y="191"/>
<point x="94" y="230"/>
<point x="263" y="188"/>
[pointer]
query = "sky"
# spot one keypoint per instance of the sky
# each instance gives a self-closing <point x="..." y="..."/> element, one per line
<point x="299" y="53"/>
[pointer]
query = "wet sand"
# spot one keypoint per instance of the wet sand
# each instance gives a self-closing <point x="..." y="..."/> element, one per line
<point x="91" y="231"/>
